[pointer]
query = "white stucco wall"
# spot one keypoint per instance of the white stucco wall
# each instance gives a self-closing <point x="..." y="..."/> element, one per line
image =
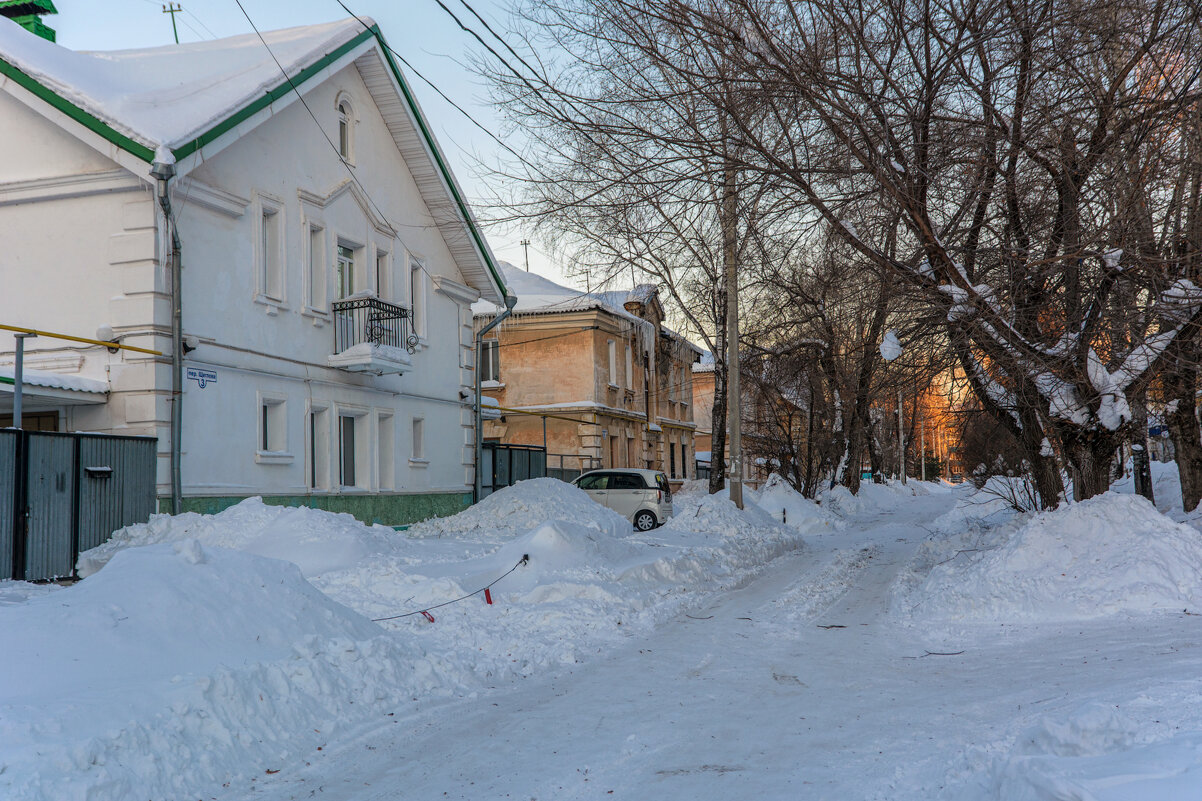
<point x="105" y="271"/>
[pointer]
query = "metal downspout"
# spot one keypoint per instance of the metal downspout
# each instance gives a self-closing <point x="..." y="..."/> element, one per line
<point x="510" y="302"/>
<point x="163" y="171"/>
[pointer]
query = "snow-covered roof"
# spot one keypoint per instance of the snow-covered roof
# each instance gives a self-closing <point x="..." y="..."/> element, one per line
<point x="48" y="380"/>
<point x="539" y="295"/>
<point x="705" y="364"/>
<point x="182" y="101"/>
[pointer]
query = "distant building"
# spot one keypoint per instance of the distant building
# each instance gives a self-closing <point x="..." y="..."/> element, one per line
<point x="329" y="265"/>
<point x="599" y="372"/>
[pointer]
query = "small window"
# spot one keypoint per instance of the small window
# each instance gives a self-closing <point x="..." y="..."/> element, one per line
<point x="490" y="367"/>
<point x="613" y="362"/>
<point x="629" y="368"/>
<point x="345" y="272"/>
<point x="345" y="127"/>
<point x="671" y="460"/>
<point x="271" y="269"/>
<point x="273" y="426"/>
<point x="419" y="445"/>
<point x="346" y="451"/>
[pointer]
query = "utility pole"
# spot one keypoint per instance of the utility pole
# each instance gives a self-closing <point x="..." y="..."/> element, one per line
<point x="173" y="9"/>
<point x="730" y="258"/>
<point x="525" y="243"/>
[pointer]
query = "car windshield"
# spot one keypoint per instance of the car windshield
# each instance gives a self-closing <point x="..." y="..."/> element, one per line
<point x="661" y="481"/>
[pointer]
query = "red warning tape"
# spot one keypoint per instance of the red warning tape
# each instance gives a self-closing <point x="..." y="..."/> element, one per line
<point x="427" y="616"/>
<point x="488" y="596"/>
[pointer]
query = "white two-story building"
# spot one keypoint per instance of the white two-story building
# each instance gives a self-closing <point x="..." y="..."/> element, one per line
<point x="327" y="266"/>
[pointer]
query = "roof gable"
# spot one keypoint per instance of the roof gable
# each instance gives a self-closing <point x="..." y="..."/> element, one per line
<point x="188" y="97"/>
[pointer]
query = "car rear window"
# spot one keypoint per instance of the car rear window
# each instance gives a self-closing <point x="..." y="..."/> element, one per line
<point x="661" y="481"/>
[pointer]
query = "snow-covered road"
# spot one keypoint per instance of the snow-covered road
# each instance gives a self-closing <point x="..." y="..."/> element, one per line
<point x="798" y="685"/>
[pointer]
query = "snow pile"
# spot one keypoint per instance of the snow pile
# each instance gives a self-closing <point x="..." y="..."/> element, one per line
<point x="187" y="646"/>
<point x="1108" y="555"/>
<point x="989" y="506"/>
<point x="177" y="665"/>
<point x="840" y="501"/>
<point x="792" y="508"/>
<point x="517" y="509"/>
<point x="1098" y="753"/>
<point x="315" y="541"/>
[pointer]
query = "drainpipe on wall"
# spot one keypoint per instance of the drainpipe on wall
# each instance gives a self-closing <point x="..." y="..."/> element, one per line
<point x="163" y="171"/>
<point x="510" y="302"/>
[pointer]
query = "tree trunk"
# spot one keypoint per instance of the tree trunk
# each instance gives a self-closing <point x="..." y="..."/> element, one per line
<point x="1180" y="385"/>
<point x="1089" y="455"/>
<point x="718" y="417"/>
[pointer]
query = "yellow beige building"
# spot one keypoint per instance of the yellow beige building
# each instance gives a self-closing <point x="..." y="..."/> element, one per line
<point x="596" y="377"/>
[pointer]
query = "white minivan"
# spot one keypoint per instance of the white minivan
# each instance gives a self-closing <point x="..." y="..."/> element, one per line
<point x="643" y="496"/>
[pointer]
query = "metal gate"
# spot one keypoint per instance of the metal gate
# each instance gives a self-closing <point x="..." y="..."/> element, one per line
<point x="63" y="493"/>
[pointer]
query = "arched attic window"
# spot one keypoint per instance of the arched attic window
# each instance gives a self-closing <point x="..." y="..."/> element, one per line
<point x="346" y="128"/>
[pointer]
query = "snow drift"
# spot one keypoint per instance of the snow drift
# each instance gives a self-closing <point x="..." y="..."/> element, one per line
<point x="178" y="664"/>
<point x="1109" y="555"/>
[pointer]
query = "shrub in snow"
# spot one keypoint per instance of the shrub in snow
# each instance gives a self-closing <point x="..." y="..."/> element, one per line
<point x="517" y="509"/>
<point x="1108" y="555"/>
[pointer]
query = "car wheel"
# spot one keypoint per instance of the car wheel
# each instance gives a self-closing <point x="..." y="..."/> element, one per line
<point x="644" y="521"/>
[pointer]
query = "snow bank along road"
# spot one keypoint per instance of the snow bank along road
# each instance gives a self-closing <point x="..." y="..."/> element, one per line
<point x="806" y="684"/>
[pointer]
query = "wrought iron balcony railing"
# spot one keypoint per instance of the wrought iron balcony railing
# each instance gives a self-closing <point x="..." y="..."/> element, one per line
<point x="371" y="320"/>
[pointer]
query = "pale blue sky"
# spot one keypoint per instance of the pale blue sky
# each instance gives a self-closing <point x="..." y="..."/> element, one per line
<point x="418" y="29"/>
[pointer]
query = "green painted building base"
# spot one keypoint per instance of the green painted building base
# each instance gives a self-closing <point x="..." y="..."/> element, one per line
<point x="396" y="510"/>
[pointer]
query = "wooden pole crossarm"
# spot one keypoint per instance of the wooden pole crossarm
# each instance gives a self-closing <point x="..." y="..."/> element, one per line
<point x="100" y="342"/>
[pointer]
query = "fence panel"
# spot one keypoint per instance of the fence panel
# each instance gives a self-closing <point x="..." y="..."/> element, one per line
<point x="8" y="493"/>
<point x="116" y="480"/>
<point x="50" y="503"/>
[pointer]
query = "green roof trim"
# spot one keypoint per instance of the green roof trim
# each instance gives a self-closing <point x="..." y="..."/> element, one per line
<point x="255" y="106"/>
<point x="485" y="253"/>
<point x="94" y="124"/>
<point x="89" y="121"/>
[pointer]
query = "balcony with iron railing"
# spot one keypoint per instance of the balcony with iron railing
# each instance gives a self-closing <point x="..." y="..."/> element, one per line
<point x="371" y="336"/>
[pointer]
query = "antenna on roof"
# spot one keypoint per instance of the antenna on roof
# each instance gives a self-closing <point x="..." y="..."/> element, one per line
<point x="28" y="13"/>
<point x="173" y="9"/>
<point x="525" y="243"/>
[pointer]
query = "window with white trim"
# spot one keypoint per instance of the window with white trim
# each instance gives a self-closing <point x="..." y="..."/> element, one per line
<point x="347" y="451"/>
<point x="613" y="361"/>
<point x="344" y="271"/>
<point x="270" y="251"/>
<point x="273" y="425"/>
<point x="346" y="130"/>
<point x="629" y="368"/>
<point x="490" y="366"/>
